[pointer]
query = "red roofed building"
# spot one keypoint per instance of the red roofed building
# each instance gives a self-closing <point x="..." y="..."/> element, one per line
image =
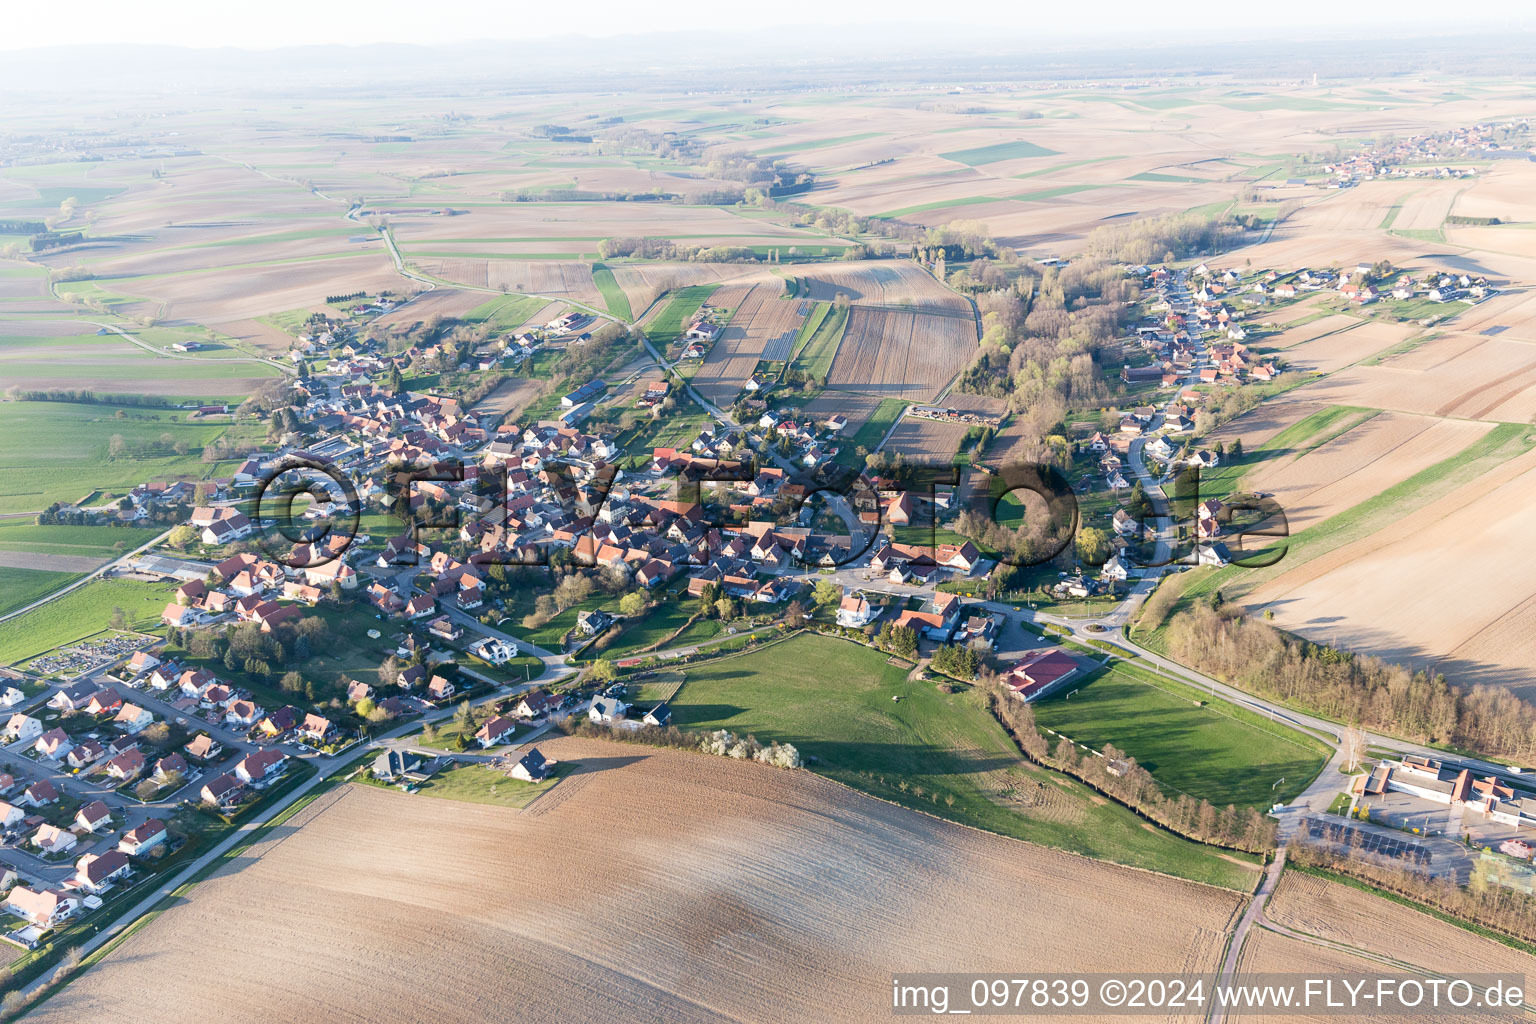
<point x="1039" y="672"/>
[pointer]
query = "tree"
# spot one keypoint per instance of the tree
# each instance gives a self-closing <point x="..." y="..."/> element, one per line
<point x="119" y="618"/>
<point x="182" y="536"/>
<point x="292" y="682"/>
<point x="396" y="383"/>
<point x="1353" y="747"/>
<point x="725" y="608"/>
<point x="1236" y="451"/>
<point x="632" y="603"/>
<point x="116" y="446"/>
<point x="601" y="672"/>
<point x="1093" y="545"/>
<point x="826" y="593"/>
<point x="365" y="707"/>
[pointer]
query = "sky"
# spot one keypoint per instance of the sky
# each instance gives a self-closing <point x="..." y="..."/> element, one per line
<point x="281" y="23"/>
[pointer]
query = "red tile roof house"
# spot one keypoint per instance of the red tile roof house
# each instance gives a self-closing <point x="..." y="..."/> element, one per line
<point x="94" y="873"/>
<point x="497" y="730"/>
<point x="138" y="841"/>
<point x="39" y="794"/>
<point x="1039" y="672"/>
<point x="53" y="744"/>
<point x="260" y="766"/>
<point x="93" y="816"/>
<point x="223" y="791"/>
<point x="127" y="765"/>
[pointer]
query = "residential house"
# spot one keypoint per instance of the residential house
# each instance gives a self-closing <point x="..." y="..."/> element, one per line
<point x="93" y="816"/>
<point x="40" y="794"/>
<point x="259" y="767"/>
<point x="133" y="719"/>
<point x="53" y="744"/>
<point x="532" y="767"/>
<point x="95" y="873"/>
<point x="203" y="748"/>
<point x="856" y="610"/>
<point x="22" y="727"/>
<point x="136" y="842"/>
<point x="223" y="791"/>
<point x="86" y="752"/>
<point x="497" y="730"/>
<point x="607" y="710"/>
<point x="127" y="766"/>
<point x="45" y="908"/>
<point x="316" y="728"/>
<point x="51" y="841"/>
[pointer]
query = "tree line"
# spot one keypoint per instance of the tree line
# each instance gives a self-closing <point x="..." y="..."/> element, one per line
<point x="1493" y="906"/>
<point x="1412" y="704"/>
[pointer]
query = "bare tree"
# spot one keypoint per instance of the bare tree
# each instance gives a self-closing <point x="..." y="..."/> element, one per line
<point x="1353" y="745"/>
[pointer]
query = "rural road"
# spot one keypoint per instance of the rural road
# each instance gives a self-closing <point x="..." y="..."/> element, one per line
<point x="89" y="577"/>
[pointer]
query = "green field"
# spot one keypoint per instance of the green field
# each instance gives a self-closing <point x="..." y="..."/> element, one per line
<point x="942" y="753"/>
<point x="506" y="313"/>
<point x="613" y="296"/>
<point x="1190" y="742"/>
<point x="79" y="614"/>
<point x="661" y="622"/>
<point x="59" y="451"/>
<point x="93" y="361"/>
<point x="667" y="326"/>
<point x="477" y="784"/>
<point x="871" y="433"/>
<point x="20" y="587"/>
<point x="997" y="152"/>
<point x="819" y="338"/>
<point x="802" y="147"/>
<point x="89" y="541"/>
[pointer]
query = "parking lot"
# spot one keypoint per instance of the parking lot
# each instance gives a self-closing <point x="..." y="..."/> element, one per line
<point x="1383" y="844"/>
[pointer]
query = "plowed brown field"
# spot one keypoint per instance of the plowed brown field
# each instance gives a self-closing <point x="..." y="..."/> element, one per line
<point x="660" y="886"/>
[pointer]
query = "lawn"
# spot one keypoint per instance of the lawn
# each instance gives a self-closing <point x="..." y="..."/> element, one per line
<point x="550" y="635"/>
<point x="667" y="326"/>
<point x="79" y="614"/>
<point x="613" y="296"/>
<point x="477" y="784"/>
<point x="1190" y="742"/>
<point x="661" y="622"/>
<point x="20" y="587"/>
<point x="1017" y="150"/>
<point x="61" y="451"/>
<point x="942" y="753"/>
<point x="871" y="433"/>
<point x="819" y="338"/>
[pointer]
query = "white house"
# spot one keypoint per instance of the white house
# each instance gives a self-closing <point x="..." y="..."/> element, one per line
<point x="10" y="697"/>
<point x="855" y="610"/>
<point x="23" y="727"/>
<point x="607" y="709"/>
<point x="133" y="719"/>
<point x="44" y="908"/>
